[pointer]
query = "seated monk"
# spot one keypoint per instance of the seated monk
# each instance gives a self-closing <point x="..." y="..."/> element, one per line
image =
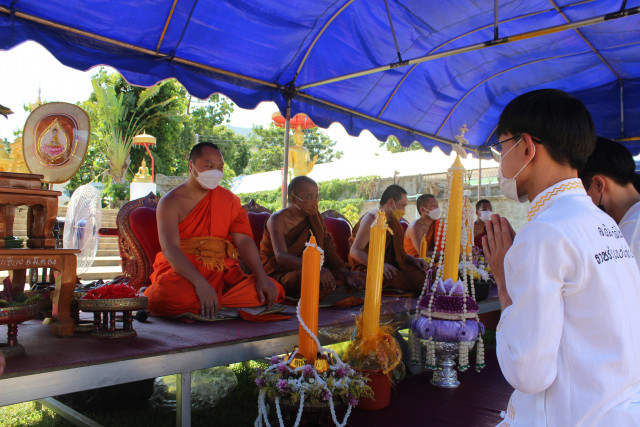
<point x="483" y="211"/>
<point x="401" y="271"/>
<point x="426" y="226"/>
<point x="284" y="240"/>
<point x="202" y="227"/>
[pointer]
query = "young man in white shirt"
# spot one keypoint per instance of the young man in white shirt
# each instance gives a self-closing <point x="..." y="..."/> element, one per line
<point x="608" y="179"/>
<point x="568" y="284"/>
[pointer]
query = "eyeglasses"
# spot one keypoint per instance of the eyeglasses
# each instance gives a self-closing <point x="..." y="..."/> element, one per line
<point x="497" y="146"/>
<point x="308" y="197"/>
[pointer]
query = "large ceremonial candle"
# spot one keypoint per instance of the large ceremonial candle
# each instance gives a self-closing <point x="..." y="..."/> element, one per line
<point x="375" y="269"/>
<point x="469" y="208"/>
<point x="454" y="224"/>
<point x="423" y="247"/>
<point x="309" y="296"/>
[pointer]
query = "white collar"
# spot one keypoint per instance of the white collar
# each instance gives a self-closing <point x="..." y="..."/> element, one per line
<point x="543" y="200"/>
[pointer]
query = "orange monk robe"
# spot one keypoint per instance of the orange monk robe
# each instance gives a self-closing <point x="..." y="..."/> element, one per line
<point x="431" y="240"/>
<point x="408" y="276"/>
<point x="295" y="240"/>
<point x="218" y="214"/>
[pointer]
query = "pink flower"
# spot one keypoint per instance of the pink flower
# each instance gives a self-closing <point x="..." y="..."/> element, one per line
<point x="282" y="385"/>
<point x="326" y="395"/>
<point x="259" y="382"/>
<point x="282" y="368"/>
<point x="275" y="360"/>
<point x="307" y="371"/>
<point x="352" y="400"/>
<point x="341" y="372"/>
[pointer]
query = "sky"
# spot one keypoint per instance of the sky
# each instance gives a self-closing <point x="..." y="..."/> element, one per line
<point x="29" y="67"/>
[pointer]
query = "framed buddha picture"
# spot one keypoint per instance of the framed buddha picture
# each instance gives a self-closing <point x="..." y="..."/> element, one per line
<point x="55" y="140"/>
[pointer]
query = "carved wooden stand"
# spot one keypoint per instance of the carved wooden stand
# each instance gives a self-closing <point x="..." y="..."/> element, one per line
<point x="25" y="189"/>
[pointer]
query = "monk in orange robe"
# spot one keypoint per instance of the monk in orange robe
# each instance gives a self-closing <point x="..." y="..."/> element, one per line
<point x="425" y="226"/>
<point x="202" y="228"/>
<point x="284" y="240"/>
<point x="401" y="270"/>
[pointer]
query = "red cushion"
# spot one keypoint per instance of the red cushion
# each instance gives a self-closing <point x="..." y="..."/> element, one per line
<point x="340" y="231"/>
<point x="404" y="224"/>
<point x="144" y="226"/>
<point x="258" y="221"/>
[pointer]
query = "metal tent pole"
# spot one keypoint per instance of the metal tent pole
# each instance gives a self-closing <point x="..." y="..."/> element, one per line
<point x="479" y="177"/>
<point x="285" y="168"/>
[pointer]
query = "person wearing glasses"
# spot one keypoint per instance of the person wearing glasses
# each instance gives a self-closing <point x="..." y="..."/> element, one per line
<point x="608" y="179"/>
<point x="568" y="284"/>
<point x="285" y="235"/>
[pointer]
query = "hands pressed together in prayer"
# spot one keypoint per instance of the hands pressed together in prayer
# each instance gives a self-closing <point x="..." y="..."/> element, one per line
<point x="495" y="245"/>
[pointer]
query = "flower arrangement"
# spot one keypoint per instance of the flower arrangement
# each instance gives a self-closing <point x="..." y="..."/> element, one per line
<point x="327" y="382"/>
<point x="112" y="291"/>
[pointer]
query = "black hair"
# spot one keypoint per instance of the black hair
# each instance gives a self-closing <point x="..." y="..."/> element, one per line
<point x="611" y="159"/>
<point x="421" y="201"/>
<point x="557" y="120"/>
<point x="196" y="151"/>
<point x="394" y="192"/>
<point x="296" y="182"/>
<point x="480" y="202"/>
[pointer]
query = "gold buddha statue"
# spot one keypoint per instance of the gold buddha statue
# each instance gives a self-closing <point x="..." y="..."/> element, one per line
<point x="5" y="160"/>
<point x="299" y="159"/>
<point x="143" y="174"/>
<point x="17" y="157"/>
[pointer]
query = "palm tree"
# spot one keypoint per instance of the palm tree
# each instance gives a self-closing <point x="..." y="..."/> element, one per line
<point x="124" y="115"/>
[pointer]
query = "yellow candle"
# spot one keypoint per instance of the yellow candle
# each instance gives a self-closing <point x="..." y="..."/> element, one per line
<point x="469" y="224"/>
<point x="309" y="296"/>
<point x="375" y="268"/>
<point x="423" y="247"/>
<point x="454" y="224"/>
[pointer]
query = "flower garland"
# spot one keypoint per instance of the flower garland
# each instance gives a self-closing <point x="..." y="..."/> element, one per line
<point x="305" y="383"/>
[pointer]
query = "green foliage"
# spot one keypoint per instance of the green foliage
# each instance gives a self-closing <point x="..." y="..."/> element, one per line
<point x="114" y="191"/>
<point x="235" y="148"/>
<point x="393" y="145"/>
<point x="267" y="148"/>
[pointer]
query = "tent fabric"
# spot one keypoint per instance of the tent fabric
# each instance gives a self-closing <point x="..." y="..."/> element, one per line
<point x="255" y="51"/>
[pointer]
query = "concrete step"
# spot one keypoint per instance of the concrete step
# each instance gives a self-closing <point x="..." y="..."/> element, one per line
<point x="106" y="261"/>
<point x="104" y="272"/>
<point x="107" y="252"/>
<point x="108" y="245"/>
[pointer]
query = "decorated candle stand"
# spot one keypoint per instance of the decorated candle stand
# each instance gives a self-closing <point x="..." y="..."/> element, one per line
<point x="373" y="349"/>
<point x="312" y="378"/>
<point x="447" y="324"/>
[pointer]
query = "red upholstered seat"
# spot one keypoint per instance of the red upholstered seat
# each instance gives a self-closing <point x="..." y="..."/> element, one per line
<point x="340" y="231"/>
<point x="258" y="221"/>
<point x="144" y="226"/>
<point x="404" y="224"/>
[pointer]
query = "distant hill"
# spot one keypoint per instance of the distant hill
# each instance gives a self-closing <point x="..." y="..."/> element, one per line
<point x="241" y="131"/>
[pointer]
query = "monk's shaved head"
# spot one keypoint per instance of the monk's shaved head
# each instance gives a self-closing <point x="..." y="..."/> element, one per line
<point x="296" y="182"/>
<point x="421" y="202"/>
<point x="196" y="151"/>
<point x="394" y="192"/>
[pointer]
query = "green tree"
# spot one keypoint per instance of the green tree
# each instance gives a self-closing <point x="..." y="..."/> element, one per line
<point x="393" y="145"/>
<point x="267" y="148"/>
<point x="235" y="148"/>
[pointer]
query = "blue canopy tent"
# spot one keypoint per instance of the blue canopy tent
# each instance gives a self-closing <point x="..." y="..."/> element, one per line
<point x="415" y="69"/>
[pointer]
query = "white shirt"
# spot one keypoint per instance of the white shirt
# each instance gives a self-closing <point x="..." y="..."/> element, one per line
<point x="570" y="342"/>
<point x="630" y="227"/>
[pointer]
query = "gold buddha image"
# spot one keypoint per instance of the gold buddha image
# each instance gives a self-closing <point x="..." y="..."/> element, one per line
<point x="299" y="158"/>
<point x="143" y="174"/>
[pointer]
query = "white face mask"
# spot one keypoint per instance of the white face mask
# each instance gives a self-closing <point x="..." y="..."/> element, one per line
<point x="209" y="179"/>
<point x="434" y="214"/>
<point x="485" y="215"/>
<point x="508" y="185"/>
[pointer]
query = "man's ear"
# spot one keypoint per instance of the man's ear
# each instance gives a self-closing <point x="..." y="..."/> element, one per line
<point x="599" y="182"/>
<point x="529" y="144"/>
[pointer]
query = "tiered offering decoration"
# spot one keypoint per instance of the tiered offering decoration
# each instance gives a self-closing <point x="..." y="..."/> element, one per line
<point x="448" y="320"/>
<point x="312" y="373"/>
<point x="373" y="347"/>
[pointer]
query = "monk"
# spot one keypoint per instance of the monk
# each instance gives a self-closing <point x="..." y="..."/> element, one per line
<point x="401" y="271"/>
<point x="202" y="227"/>
<point x="426" y="226"/>
<point x="284" y="240"/>
<point x="483" y="212"/>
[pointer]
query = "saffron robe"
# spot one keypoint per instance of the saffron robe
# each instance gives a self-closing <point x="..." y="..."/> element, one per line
<point x="431" y="240"/>
<point x="218" y="214"/>
<point x="569" y="343"/>
<point x="295" y="240"/>
<point x="408" y="277"/>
